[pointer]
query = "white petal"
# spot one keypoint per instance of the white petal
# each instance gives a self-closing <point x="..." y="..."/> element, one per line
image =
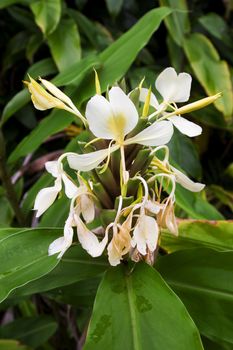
<point x="183" y="87"/>
<point x="125" y="113"/>
<point x="158" y="133"/>
<point x="89" y="240"/>
<point x="153" y="207"/>
<point x="87" y="208"/>
<point x="185" y="126"/>
<point x="166" y="83"/>
<point x="114" y="254"/>
<point x="89" y="161"/>
<point x="52" y="168"/>
<point x="70" y="189"/>
<point x="46" y="197"/>
<point x="153" y="100"/>
<point x="145" y="234"/>
<point x="184" y="181"/>
<point x="173" y="87"/>
<point x="99" y="115"/>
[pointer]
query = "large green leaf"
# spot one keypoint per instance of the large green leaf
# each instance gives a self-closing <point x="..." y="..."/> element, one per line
<point x="203" y="279"/>
<point x="212" y="73"/>
<point x="24" y="257"/>
<point x="193" y="234"/>
<point x="8" y="344"/>
<point x="119" y="56"/>
<point x="6" y="3"/>
<point x="64" y="44"/>
<point x="136" y="310"/>
<point x="178" y="23"/>
<point x="195" y="206"/>
<point x="47" y="14"/>
<point x="76" y="265"/>
<point x="32" y="331"/>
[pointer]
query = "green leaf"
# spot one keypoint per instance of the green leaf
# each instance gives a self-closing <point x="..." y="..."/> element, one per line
<point x="195" y="206"/>
<point x="204" y="60"/>
<point x="178" y="23"/>
<point x="42" y="68"/>
<point x="136" y="310"/>
<point x="6" y="3"/>
<point x="194" y="234"/>
<point x="119" y="56"/>
<point x="76" y="265"/>
<point x="24" y="257"/>
<point x="217" y="27"/>
<point x="203" y="279"/>
<point x="17" y="102"/>
<point x="64" y="44"/>
<point x="114" y="6"/>
<point x="55" y="122"/>
<point x="47" y="14"/>
<point x="8" y="344"/>
<point x="32" y="331"/>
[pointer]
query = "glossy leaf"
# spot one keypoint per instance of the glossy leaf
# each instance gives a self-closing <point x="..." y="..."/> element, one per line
<point x="24" y="257"/>
<point x="47" y="14"/>
<point x="203" y="279"/>
<point x="193" y="234"/>
<point x="64" y="44"/>
<point x="136" y="310"/>
<point x="204" y="60"/>
<point x="178" y="23"/>
<point x="32" y="331"/>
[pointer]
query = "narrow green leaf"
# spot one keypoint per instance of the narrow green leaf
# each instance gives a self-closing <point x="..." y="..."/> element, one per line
<point x="32" y="331"/>
<point x="17" y="102"/>
<point x="178" y="23"/>
<point x="47" y="14"/>
<point x="24" y="257"/>
<point x="194" y="234"/>
<point x="6" y="3"/>
<point x="136" y="310"/>
<point x="8" y="344"/>
<point x="203" y="279"/>
<point x="64" y="44"/>
<point x="204" y="60"/>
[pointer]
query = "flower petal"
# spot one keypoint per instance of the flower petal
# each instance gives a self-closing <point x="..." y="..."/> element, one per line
<point x="88" y="239"/>
<point x="125" y="112"/>
<point x="187" y="183"/>
<point x="174" y="88"/>
<point x="89" y="161"/>
<point x="153" y="100"/>
<point x="185" y="126"/>
<point x="145" y="234"/>
<point x="87" y="208"/>
<point x="56" y="92"/>
<point x="158" y="133"/>
<point x="99" y="115"/>
<point x="61" y="244"/>
<point x="46" y="197"/>
<point x="52" y="168"/>
<point x="71" y="190"/>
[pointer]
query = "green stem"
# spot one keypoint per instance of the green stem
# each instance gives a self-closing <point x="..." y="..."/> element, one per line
<point x="7" y="184"/>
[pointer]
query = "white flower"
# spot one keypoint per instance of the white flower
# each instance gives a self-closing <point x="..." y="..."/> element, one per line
<point x="187" y="183"/>
<point x="113" y="120"/>
<point x="46" y="197"/>
<point x="145" y="234"/>
<point x="174" y="89"/>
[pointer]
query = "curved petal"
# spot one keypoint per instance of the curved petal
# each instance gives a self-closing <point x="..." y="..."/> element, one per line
<point x="89" y="240"/>
<point x="183" y="87"/>
<point x="52" y="168"/>
<point x="61" y="244"/>
<point x="158" y="133"/>
<point x="166" y="83"/>
<point x="89" y="161"/>
<point x="56" y="92"/>
<point x="46" y="197"/>
<point x="185" y="126"/>
<point x="145" y="235"/>
<point x="99" y="115"/>
<point x="125" y="113"/>
<point x="87" y="208"/>
<point x="187" y="183"/>
<point x="153" y="100"/>
<point x="71" y="190"/>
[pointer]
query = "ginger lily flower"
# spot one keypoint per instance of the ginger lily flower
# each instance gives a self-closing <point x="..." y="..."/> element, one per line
<point x="174" y="89"/>
<point x="113" y="120"/>
<point x="47" y="195"/>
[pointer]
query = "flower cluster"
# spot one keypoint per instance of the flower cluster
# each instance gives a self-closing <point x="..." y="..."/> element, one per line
<point x="128" y="135"/>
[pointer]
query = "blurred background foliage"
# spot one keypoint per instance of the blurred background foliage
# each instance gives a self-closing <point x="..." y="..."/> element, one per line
<point x="63" y="41"/>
